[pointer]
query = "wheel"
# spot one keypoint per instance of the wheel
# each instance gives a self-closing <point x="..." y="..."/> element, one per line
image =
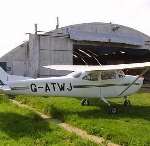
<point x="85" y="102"/>
<point x="127" y="103"/>
<point x="112" y="110"/>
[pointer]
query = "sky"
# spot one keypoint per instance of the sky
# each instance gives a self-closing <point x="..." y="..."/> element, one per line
<point x="17" y="17"/>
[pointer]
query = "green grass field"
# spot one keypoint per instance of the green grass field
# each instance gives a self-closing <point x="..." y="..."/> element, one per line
<point x="130" y="127"/>
<point x="22" y="127"/>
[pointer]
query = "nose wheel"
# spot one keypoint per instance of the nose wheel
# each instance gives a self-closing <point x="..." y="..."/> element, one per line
<point x="85" y="102"/>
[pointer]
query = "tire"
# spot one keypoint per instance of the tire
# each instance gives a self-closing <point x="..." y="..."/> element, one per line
<point x="127" y="103"/>
<point x="113" y="110"/>
<point x="85" y="102"/>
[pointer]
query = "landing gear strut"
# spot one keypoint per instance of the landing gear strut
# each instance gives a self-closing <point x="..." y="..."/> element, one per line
<point x="85" y="102"/>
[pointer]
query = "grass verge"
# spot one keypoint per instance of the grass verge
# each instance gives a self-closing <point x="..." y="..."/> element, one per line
<point x="130" y="127"/>
<point x="22" y="127"/>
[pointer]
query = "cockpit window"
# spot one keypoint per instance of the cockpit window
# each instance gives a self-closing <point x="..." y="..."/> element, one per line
<point x="105" y="75"/>
<point x="92" y="76"/>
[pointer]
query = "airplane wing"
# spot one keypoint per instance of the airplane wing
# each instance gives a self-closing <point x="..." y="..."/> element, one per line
<point x="145" y="65"/>
<point x="100" y="68"/>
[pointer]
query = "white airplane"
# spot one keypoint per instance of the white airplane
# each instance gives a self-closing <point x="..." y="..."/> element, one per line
<point x="85" y="81"/>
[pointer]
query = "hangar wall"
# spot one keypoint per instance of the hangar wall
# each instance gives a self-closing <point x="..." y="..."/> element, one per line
<point x="29" y="58"/>
<point x="54" y="50"/>
<point x="56" y="47"/>
<point x="17" y="62"/>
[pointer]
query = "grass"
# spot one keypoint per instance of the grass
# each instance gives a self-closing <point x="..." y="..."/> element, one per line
<point x="130" y="127"/>
<point x="22" y="127"/>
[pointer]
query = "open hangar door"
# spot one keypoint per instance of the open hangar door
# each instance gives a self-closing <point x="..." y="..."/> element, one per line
<point x="93" y="55"/>
<point x="106" y="55"/>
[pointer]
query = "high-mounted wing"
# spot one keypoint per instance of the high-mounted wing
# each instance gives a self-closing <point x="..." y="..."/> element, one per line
<point x="100" y="68"/>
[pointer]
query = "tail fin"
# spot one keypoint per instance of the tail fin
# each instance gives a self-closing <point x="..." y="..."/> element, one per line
<point x="3" y="77"/>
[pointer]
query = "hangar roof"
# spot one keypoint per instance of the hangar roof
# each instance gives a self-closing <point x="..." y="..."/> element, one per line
<point x="106" y="37"/>
<point x="105" y="32"/>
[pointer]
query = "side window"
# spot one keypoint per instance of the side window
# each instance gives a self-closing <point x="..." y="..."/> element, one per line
<point x="91" y="76"/>
<point x="87" y="77"/>
<point x="121" y="74"/>
<point x="105" y="75"/>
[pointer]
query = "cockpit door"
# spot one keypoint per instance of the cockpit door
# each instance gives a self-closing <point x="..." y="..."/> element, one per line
<point x="90" y="85"/>
<point x="108" y="83"/>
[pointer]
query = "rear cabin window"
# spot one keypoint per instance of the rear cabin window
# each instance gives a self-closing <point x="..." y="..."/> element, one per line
<point x="106" y="75"/>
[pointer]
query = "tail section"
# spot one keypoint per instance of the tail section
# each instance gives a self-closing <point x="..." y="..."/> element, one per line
<point x="6" y="78"/>
<point x="3" y="77"/>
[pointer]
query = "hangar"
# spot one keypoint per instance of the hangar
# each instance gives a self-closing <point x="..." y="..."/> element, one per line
<point x="87" y="43"/>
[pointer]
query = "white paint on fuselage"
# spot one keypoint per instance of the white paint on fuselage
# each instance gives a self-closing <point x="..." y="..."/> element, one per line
<point x="75" y="87"/>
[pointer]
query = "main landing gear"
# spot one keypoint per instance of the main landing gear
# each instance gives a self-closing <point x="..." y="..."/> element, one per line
<point x="111" y="109"/>
<point x="127" y="102"/>
<point x="85" y="102"/>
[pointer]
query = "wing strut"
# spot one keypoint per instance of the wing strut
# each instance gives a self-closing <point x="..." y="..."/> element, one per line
<point x="144" y="71"/>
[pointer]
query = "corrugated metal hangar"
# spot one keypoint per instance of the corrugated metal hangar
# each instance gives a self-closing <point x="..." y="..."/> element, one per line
<point x="89" y="43"/>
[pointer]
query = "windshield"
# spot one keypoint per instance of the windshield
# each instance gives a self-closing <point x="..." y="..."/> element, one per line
<point x="75" y="74"/>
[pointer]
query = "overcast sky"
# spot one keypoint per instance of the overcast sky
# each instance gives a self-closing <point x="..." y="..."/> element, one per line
<point x="18" y="17"/>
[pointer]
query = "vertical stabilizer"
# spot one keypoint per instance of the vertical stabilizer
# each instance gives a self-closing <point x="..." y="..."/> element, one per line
<point x="3" y="76"/>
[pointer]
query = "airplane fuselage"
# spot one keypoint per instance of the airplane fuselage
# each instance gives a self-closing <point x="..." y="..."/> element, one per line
<point x="75" y="87"/>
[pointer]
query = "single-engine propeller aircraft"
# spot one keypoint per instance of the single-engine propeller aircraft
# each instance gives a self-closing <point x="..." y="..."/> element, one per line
<point x="84" y="81"/>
